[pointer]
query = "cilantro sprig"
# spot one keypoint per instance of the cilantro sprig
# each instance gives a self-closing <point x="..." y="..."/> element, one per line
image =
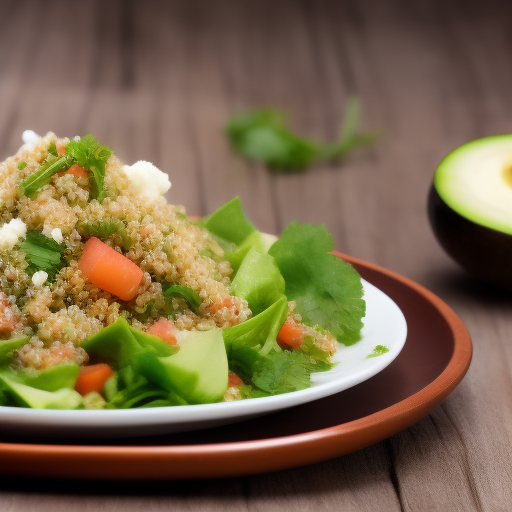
<point x="262" y="135"/>
<point x="42" y="253"/>
<point x="86" y="152"/>
<point x="328" y="291"/>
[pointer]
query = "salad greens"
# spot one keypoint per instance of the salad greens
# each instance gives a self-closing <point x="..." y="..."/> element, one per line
<point x="86" y="152"/>
<point x="148" y="372"/>
<point x="263" y="135"/>
<point x="42" y="253"/>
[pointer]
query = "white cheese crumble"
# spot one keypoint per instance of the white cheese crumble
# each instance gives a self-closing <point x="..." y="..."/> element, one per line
<point x="149" y="181"/>
<point x="56" y="234"/>
<point x="11" y="232"/>
<point x="39" y="278"/>
<point x="30" y="139"/>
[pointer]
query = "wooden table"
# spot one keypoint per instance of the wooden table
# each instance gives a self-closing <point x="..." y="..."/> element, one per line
<point x="158" y="80"/>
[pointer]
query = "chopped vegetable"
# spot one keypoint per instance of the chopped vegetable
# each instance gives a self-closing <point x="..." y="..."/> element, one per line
<point x="42" y="253"/>
<point x="262" y="135"/>
<point x="234" y="380"/>
<point x="198" y="372"/>
<point x="165" y="330"/>
<point x="105" y="229"/>
<point x="52" y="149"/>
<point x="22" y="165"/>
<point x="290" y="336"/>
<point x="93" y="378"/>
<point x="328" y="291"/>
<point x="191" y="296"/>
<point x="88" y="154"/>
<point x="43" y="175"/>
<point x="77" y="171"/>
<point x="109" y="270"/>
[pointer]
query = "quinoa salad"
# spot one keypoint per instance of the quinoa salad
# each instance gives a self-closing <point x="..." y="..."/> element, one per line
<point x="112" y="298"/>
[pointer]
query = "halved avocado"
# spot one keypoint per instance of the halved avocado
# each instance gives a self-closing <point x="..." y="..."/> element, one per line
<point x="470" y="208"/>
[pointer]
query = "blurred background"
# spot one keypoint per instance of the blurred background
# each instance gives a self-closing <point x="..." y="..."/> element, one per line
<point x="159" y="80"/>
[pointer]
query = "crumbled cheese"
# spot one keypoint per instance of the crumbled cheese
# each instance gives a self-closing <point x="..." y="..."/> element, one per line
<point x="147" y="180"/>
<point x="30" y="139"/>
<point x="39" y="278"/>
<point x="11" y="232"/>
<point x="56" y="234"/>
<point x="76" y="138"/>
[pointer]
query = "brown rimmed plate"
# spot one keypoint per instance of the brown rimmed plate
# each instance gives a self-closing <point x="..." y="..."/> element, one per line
<point x="435" y="358"/>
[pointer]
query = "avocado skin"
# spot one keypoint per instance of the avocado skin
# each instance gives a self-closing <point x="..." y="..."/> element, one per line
<point x="483" y="252"/>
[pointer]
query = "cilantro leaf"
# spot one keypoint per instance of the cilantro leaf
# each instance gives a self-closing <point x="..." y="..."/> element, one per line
<point x="263" y="135"/>
<point x="87" y="153"/>
<point x="191" y="296"/>
<point x="328" y="291"/>
<point x="275" y="372"/>
<point x="378" y="351"/>
<point x="42" y="253"/>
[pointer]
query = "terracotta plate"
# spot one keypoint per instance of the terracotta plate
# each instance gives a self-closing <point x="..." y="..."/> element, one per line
<point x="434" y="360"/>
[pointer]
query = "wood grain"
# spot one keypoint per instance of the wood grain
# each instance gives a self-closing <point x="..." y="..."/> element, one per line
<point x="158" y="80"/>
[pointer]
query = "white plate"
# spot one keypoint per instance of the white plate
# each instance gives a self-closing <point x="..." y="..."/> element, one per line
<point x="384" y="324"/>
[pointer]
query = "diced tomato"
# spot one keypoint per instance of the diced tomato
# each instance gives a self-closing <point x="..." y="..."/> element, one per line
<point x="165" y="330"/>
<point x="234" y="380"/>
<point x="109" y="270"/>
<point x="228" y="302"/>
<point x="93" y="378"/>
<point x="61" y="149"/>
<point x="77" y="171"/>
<point x="290" y="335"/>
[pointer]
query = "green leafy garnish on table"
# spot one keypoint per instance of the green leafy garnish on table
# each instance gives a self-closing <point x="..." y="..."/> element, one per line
<point x="86" y="152"/>
<point x="263" y="135"/>
<point x="42" y="253"/>
<point x="378" y="351"/>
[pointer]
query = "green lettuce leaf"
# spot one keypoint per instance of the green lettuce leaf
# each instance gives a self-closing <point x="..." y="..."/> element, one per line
<point x="258" y="281"/>
<point x="260" y="331"/>
<point x="328" y="291"/>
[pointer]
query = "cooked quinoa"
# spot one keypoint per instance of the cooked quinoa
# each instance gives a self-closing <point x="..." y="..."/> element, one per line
<point x="162" y="242"/>
<point x="60" y="314"/>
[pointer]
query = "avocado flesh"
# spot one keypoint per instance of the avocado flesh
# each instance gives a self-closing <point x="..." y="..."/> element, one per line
<point x="475" y="180"/>
<point x="470" y="208"/>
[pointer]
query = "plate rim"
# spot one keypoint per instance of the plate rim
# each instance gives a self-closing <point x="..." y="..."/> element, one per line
<point x="132" y="462"/>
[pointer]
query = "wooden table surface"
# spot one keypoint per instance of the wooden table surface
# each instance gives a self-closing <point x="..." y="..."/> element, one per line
<point x="158" y="81"/>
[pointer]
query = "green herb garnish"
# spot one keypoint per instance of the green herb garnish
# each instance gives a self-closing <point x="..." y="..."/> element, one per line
<point x="86" y="152"/>
<point x="43" y="175"/>
<point x="378" y="351"/>
<point x="42" y="253"/>
<point x="22" y="165"/>
<point x="52" y="149"/>
<point x="328" y="291"/>
<point x="104" y="229"/>
<point x="263" y="135"/>
<point x="191" y="296"/>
